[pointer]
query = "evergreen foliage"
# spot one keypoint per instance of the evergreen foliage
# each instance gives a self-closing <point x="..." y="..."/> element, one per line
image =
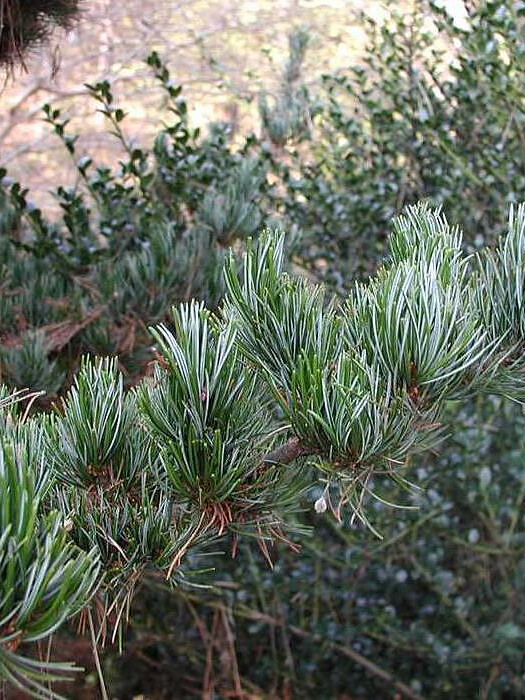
<point x="269" y="396"/>
<point x="434" y="609"/>
<point x="130" y="243"/>
<point x="143" y="477"/>
<point x="289" y="114"/>
<point x="44" y="577"/>
<point x="27" y="25"/>
<point x="434" y="110"/>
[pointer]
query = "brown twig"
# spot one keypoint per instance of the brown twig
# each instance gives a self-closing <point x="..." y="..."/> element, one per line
<point x="350" y="653"/>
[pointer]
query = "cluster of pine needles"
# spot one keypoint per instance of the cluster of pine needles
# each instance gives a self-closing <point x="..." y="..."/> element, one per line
<point x="28" y="24"/>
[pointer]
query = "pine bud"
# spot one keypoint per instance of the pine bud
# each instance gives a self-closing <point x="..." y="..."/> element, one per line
<point x="320" y="505"/>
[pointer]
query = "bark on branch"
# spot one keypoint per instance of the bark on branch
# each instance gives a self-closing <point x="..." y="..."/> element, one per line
<point x="284" y="454"/>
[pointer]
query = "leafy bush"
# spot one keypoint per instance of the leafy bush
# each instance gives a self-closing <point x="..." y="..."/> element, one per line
<point x="130" y="243"/>
<point x="433" y="111"/>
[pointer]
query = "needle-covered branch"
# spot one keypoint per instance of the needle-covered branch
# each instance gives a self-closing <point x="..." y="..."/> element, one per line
<point x="245" y="409"/>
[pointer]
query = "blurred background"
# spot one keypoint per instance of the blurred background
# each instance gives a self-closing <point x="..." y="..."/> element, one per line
<point x="223" y="55"/>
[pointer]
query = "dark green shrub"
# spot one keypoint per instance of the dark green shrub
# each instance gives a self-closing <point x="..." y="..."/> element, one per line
<point x="130" y="242"/>
<point x="434" y="114"/>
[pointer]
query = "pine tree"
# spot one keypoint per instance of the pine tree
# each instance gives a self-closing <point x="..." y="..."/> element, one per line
<point x="28" y="24"/>
<point x="246" y="407"/>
